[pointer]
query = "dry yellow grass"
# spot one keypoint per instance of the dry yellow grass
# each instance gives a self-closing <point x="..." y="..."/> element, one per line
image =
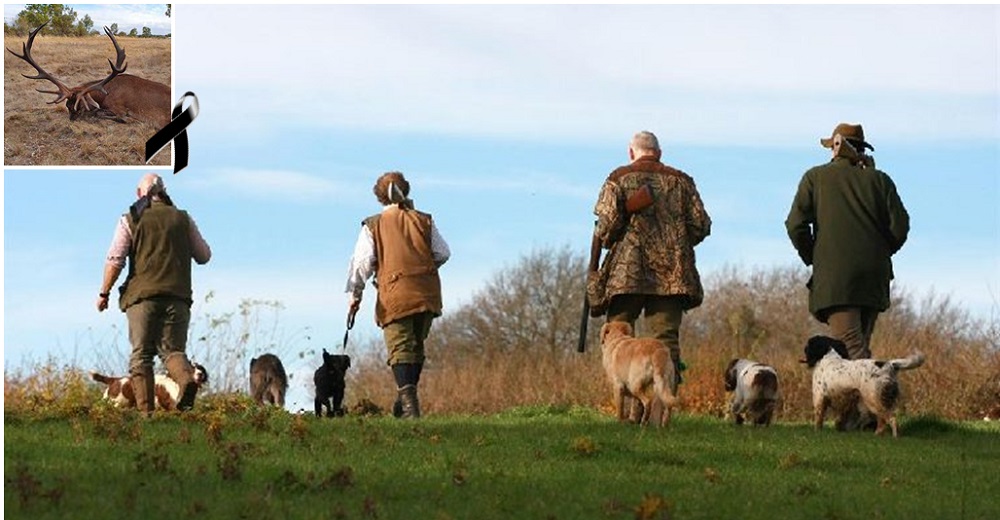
<point x="761" y="315"/>
<point x="39" y="134"/>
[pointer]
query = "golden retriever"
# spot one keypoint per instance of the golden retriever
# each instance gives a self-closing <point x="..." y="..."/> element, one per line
<point x="639" y="368"/>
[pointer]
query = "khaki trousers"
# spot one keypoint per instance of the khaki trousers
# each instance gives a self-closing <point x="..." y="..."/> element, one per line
<point x="156" y="326"/>
<point x="404" y="338"/>
<point x="854" y="326"/>
<point x="663" y="316"/>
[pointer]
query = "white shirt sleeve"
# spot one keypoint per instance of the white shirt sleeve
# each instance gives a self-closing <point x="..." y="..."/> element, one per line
<point x="439" y="248"/>
<point x="362" y="265"/>
<point x="121" y="243"/>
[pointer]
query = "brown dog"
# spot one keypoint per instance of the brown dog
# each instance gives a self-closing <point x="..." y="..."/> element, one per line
<point x="268" y="381"/>
<point x="639" y="368"/>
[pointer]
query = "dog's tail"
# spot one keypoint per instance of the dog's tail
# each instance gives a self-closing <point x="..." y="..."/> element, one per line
<point x="100" y="378"/>
<point x="663" y="377"/>
<point x="912" y="361"/>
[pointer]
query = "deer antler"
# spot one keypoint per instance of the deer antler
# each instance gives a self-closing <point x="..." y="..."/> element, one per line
<point x="64" y="91"/>
<point x="116" y="69"/>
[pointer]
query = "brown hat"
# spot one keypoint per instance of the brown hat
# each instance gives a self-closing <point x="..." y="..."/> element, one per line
<point x="850" y="132"/>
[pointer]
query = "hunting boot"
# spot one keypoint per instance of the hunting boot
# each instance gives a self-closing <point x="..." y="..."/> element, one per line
<point x="180" y="370"/>
<point x="409" y="401"/>
<point x="406" y="375"/>
<point x="142" y="387"/>
<point x="679" y="366"/>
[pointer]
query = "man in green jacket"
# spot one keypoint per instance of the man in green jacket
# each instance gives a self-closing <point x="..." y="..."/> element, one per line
<point x="847" y="221"/>
<point x="159" y="241"/>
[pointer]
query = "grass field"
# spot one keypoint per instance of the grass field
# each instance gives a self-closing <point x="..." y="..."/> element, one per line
<point x="233" y="460"/>
<point x="39" y="134"/>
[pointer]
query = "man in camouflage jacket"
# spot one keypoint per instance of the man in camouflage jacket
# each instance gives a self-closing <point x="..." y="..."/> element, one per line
<point x="847" y="221"/>
<point x="650" y="265"/>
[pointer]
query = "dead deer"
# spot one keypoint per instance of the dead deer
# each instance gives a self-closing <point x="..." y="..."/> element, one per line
<point x="119" y="97"/>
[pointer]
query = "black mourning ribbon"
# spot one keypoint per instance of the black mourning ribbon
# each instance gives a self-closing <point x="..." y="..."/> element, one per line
<point x="175" y="131"/>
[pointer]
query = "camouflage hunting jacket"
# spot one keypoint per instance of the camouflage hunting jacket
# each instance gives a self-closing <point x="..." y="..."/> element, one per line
<point x="652" y="250"/>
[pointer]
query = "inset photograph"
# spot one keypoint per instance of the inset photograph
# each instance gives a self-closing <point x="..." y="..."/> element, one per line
<point x="85" y="84"/>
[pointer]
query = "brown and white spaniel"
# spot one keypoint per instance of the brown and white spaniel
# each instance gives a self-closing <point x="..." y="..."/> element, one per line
<point x="166" y="390"/>
<point x="755" y="391"/>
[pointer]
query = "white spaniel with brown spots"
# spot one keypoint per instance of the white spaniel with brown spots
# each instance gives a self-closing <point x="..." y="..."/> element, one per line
<point x="841" y="383"/>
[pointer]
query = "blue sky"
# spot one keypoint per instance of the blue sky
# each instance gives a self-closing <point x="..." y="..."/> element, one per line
<point x="506" y="119"/>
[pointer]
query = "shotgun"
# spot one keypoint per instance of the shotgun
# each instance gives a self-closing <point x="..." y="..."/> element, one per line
<point x="595" y="264"/>
<point x="641" y="199"/>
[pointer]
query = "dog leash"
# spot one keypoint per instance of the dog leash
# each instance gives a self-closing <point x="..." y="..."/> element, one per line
<point x="350" y="325"/>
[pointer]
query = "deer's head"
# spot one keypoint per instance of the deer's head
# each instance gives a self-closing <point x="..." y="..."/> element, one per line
<point x="80" y="99"/>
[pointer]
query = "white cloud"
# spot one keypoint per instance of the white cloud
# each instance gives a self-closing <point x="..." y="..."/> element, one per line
<point x="269" y="184"/>
<point x="711" y="74"/>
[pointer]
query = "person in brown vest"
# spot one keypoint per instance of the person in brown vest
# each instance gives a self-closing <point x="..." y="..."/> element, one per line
<point x="650" y="266"/>
<point x="159" y="241"/>
<point x="403" y="249"/>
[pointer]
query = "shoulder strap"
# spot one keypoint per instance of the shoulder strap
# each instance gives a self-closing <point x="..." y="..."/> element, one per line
<point x="646" y="166"/>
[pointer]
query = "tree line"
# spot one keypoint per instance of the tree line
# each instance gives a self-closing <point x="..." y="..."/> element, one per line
<point x="64" y="21"/>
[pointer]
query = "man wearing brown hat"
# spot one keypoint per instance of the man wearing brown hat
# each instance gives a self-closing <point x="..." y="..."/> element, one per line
<point x="847" y="221"/>
<point x="159" y="241"/>
<point x="403" y="249"/>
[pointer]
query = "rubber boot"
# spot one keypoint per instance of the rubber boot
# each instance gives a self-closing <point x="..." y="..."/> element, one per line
<point x="405" y="374"/>
<point x="679" y="367"/>
<point x="142" y="387"/>
<point x="180" y="370"/>
<point x="409" y="401"/>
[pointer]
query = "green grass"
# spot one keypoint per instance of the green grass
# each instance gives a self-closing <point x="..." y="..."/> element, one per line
<point x="536" y="462"/>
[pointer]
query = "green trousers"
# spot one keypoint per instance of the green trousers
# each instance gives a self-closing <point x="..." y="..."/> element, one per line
<point x="156" y="326"/>
<point x="663" y="316"/>
<point x="404" y="338"/>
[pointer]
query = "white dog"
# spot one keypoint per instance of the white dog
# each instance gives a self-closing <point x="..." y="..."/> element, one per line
<point x="755" y="391"/>
<point x="843" y="382"/>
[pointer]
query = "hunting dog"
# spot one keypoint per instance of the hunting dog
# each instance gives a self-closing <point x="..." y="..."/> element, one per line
<point x="755" y="391"/>
<point x="268" y="381"/>
<point x="639" y="368"/>
<point x="330" y="384"/>
<point x="839" y="382"/>
<point x="166" y="391"/>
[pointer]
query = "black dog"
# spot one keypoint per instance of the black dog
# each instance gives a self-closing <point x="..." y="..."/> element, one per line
<point x="330" y="385"/>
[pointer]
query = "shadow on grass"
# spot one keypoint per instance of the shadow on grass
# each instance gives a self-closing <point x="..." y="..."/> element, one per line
<point x="930" y="427"/>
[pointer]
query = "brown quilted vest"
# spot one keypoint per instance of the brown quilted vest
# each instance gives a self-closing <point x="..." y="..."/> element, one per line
<point x="408" y="281"/>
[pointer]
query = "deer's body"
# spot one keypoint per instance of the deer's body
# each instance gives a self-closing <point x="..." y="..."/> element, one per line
<point x="129" y="97"/>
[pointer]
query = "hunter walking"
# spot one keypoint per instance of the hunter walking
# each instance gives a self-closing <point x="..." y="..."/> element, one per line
<point x="847" y="221"/>
<point x="403" y="249"/>
<point x="159" y="242"/>
<point x="650" y="265"/>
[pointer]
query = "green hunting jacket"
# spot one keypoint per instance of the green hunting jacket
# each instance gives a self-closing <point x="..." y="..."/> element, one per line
<point x="160" y="257"/>
<point x="847" y="221"/>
